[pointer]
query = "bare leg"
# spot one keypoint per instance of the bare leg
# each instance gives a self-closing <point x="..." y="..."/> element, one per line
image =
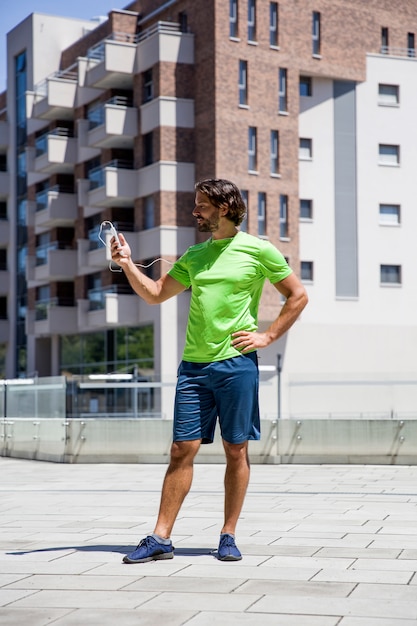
<point x="177" y="483"/>
<point x="236" y="481"/>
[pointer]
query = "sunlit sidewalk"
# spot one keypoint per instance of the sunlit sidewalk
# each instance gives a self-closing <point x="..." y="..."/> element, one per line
<point x="322" y="546"/>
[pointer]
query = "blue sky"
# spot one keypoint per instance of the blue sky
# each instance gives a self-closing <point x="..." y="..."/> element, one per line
<point x="14" y="11"/>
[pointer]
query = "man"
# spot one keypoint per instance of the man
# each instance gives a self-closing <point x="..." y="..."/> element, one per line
<point x="218" y="375"/>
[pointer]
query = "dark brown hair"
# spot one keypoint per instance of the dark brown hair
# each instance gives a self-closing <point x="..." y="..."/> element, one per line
<point x="224" y="194"/>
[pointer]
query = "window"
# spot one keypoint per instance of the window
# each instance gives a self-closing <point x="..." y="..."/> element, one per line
<point x="147" y="85"/>
<point x="244" y="224"/>
<point x="411" y="45"/>
<point x="306" y="149"/>
<point x="251" y="20"/>
<point x="148" y="212"/>
<point x="148" y="148"/>
<point x="384" y="40"/>
<point x="3" y="310"/>
<point x="3" y="211"/>
<point x="390" y="214"/>
<point x="3" y="259"/>
<point x="282" y="90"/>
<point x="316" y="33"/>
<point x="233" y="19"/>
<point x="274" y="152"/>
<point x="252" y="149"/>
<point x="243" y="83"/>
<point x="261" y="214"/>
<point x="283" y="217"/>
<point x="183" y="21"/>
<point x="273" y="24"/>
<point x="306" y="86"/>
<point x="306" y="209"/>
<point x="389" y="154"/>
<point x="390" y="274"/>
<point x="388" y="95"/>
<point x="307" y="271"/>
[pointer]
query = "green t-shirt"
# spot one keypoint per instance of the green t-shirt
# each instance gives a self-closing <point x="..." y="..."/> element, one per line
<point x="226" y="277"/>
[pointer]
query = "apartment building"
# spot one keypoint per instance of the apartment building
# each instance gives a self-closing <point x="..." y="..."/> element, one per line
<point x="306" y="105"/>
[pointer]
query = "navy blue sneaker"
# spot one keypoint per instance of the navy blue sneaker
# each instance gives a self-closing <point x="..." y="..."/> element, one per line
<point x="149" y="549"/>
<point x="227" y="550"/>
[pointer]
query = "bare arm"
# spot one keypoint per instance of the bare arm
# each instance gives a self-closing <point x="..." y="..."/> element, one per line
<point x="296" y="300"/>
<point x="152" y="291"/>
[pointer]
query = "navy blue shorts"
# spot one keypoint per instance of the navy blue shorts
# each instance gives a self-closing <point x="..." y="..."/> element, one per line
<point x="227" y="390"/>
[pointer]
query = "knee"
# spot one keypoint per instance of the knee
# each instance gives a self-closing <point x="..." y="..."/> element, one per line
<point x="183" y="452"/>
<point x="236" y="452"/>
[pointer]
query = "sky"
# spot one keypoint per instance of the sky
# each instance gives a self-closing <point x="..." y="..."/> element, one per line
<point x="14" y="11"/>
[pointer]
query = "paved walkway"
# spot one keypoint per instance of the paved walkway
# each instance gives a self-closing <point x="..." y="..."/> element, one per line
<point x="322" y="546"/>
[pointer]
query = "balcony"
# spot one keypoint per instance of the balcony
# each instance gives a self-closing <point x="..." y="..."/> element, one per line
<point x="4" y="184"/>
<point x="55" y="97"/>
<point x="108" y="306"/>
<point x="113" y="184"/>
<point x="52" y="317"/>
<point x="4" y="134"/>
<point x="4" y="331"/>
<point x="175" y="112"/>
<point x="55" y="207"/>
<point x="164" y="42"/>
<point x="53" y="262"/>
<point x="111" y="63"/>
<point x="4" y="282"/>
<point x="55" y="152"/>
<point x="113" y="124"/>
<point x="4" y="232"/>
<point x="93" y="253"/>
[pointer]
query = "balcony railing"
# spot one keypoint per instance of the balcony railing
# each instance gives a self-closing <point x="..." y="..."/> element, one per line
<point x="97" y="52"/>
<point x="41" y="88"/>
<point x="42" y="306"/>
<point x="42" y="196"/>
<point x="96" y="114"/>
<point x="159" y="27"/>
<point x="41" y="142"/>
<point x="398" y="52"/>
<point x="95" y="233"/>
<point x="97" y="296"/>
<point x="43" y="251"/>
<point x="97" y="176"/>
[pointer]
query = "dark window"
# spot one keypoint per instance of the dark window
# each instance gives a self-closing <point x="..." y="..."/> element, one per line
<point x="307" y="268"/>
<point x="148" y="156"/>
<point x="282" y="90"/>
<point x="252" y="149"/>
<point x="390" y="274"/>
<point x="274" y="139"/>
<point x="3" y="259"/>
<point x="384" y="40"/>
<point x="411" y="45"/>
<point x="306" y="88"/>
<point x="183" y="21"/>
<point x="316" y="35"/>
<point x="306" y="209"/>
<point x="283" y="216"/>
<point x="233" y="18"/>
<point x="243" y="83"/>
<point x="147" y="85"/>
<point x="3" y="308"/>
<point x="251" y="20"/>
<point x="261" y="213"/>
<point x="273" y="24"/>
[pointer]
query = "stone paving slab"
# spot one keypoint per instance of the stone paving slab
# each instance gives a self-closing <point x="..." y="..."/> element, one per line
<point x="325" y="545"/>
